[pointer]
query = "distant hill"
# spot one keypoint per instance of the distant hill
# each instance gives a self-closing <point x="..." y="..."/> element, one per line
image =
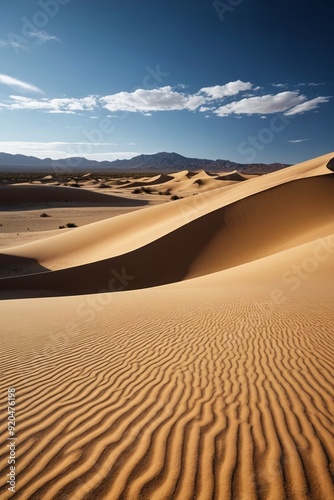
<point x="159" y="162"/>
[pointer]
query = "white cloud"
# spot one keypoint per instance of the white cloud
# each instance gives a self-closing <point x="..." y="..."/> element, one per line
<point x="310" y="84"/>
<point x="43" y="37"/>
<point x="296" y="141"/>
<point x="279" y="85"/>
<point x="111" y="156"/>
<point x="160" y="99"/>
<point x="39" y="37"/>
<point x="266" y="104"/>
<point x="146" y="102"/>
<point x="17" y="46"/>
<point x="203" y="109"/>
<point x="13" y="82"/>
<point x="231" y="88"/>
<point x="63" y="105"/>
<point x="307" y="106"/>
<point x="14" y="44"/>
<point x="59" y="150"/>
<point x="168" y="99"/>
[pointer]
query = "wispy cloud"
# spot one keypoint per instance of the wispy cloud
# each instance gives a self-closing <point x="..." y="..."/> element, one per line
<point x="35" y="37"/>
<point x="296" y="141"/>
<point x="43" y="37"/>
<point x="64" y="105"/>
<point x="112" y="155"/>
<point x="18" y="84"/>
<point x="14" y="44"/>
<point x="310" y="84"/>
<point x="61" y="150"/>
<point x="266" y="104"/>
<point x="307" y="106"/>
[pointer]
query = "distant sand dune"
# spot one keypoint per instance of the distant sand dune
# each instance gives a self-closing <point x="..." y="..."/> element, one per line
<point x="160" y="179"/>
<point x="232" y="176"/>
<point x="181" y="182"/>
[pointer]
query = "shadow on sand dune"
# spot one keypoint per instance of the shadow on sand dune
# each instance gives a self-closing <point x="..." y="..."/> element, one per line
<point x="22" y="197"/>
<point x="13" y="266"/>
<point x="330" y="165"/>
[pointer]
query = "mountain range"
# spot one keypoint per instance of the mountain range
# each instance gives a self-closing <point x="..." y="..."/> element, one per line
<point x="158" y="162"/>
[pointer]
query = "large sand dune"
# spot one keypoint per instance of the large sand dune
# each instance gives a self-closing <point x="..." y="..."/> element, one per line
<point x="216" y="384"/>
<point x="262" y="224"/>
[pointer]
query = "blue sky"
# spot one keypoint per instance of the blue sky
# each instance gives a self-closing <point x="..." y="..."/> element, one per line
<point x="244" y="80"/>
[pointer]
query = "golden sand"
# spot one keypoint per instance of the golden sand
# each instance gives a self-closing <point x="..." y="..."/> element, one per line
<point x="181" y="351"/>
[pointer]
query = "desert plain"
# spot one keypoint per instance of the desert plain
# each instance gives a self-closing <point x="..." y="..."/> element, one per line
<point x="176" y="341"/>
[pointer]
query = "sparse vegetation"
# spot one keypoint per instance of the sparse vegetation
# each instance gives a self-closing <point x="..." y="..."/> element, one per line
<point x="45" y="215"/>
<point x="71" y="224"/>
<point x="137" y="191"/>
<point x="175" y="197"/>
<point x="147" y="190"/>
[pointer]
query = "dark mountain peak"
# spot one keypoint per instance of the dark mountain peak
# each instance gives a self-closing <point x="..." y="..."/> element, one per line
<point x="157" y="162"/>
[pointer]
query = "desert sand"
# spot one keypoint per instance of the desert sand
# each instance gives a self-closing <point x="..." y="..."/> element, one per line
<point x="171" y="349"/>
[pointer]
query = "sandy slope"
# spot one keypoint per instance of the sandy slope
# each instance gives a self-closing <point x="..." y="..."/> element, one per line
<point x="124" y="234"/>
<point x="265" y="223"/>
<point x="218" y="386"/>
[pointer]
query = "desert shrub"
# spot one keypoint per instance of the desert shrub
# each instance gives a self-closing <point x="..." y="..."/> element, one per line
<point x="147" y="190"/>
<point x="71" y="224"/>
<point x="175" y="197"/>
<point x="136" y="191"/>
<point x="45" y="215"/>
